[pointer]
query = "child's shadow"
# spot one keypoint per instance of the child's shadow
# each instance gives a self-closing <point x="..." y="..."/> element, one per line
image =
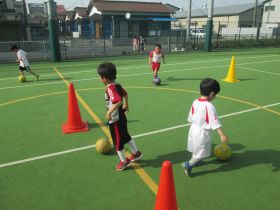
<point x="244" y="159"/>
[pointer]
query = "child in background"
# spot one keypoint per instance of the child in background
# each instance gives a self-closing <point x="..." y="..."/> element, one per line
<point x="23" y="62"/>
<point x="155" y="57"/>
<point x="116" y="115"/>
<point x="203" y="118"/>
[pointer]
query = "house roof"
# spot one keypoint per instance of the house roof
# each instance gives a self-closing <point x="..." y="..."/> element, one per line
<point x="70" y="14"/>
<point x="82" y="11"/>
<point x="126" y="6"/>
<point x="218" y="11"/>
<point x="172" y="7"/>
<point x="60" y="10"/>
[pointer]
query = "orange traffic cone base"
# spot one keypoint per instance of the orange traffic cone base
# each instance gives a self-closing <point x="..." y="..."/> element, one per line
<point x="67" y="129"/>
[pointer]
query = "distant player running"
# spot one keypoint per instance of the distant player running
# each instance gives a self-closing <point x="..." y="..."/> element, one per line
<point x="155" y="57"/>
<point x="23" y="61"/>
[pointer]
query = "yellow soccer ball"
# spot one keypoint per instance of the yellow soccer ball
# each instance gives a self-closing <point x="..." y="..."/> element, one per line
<point x="103" y="146"/>
<point x="22" y="78"/>
<point x="222" y="152"/>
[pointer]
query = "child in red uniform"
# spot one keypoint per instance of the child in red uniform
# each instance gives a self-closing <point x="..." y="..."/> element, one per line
<point x="155" y="59"/>
<point x="116" y="115"/>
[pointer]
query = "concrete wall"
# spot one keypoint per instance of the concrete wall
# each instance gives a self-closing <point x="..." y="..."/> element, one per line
<point x="272" y="18"/>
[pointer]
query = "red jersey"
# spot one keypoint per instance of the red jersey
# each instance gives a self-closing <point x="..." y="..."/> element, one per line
<point x="114" y="94"/>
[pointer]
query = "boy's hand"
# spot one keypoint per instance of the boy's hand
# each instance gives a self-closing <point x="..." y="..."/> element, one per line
<point x="224" y="138"/>
<point x="108" y="116"/>
<point x="125" y="107"/>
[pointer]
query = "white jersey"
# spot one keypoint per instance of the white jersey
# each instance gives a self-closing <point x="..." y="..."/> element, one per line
<point x="203" y="118"/>
<point x="156" y="57"/>
<point x="22" y="57"/>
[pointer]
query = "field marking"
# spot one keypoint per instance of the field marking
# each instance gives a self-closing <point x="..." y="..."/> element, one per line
<point x="138" y="169"/>
<point x="266" y="72"/>
<point x="140" y="74"/>
<point x="141" y="87"/>
<point x="146" y="66"/>
<point x="135" y="136"/>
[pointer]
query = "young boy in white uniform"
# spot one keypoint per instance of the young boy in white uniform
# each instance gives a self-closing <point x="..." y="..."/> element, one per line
<point x="23" y="61"/>
<point x="203" y="118"/>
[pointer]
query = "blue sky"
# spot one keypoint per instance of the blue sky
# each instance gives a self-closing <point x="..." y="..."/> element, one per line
<point x="69" y="4"/>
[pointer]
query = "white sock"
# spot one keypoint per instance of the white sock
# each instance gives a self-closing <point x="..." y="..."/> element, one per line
<point x="194" y="161"/>
<point x="121" y="155"/>
<point x="133" y="146"/>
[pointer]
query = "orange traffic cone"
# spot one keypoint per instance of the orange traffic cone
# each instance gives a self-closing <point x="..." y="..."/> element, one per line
<point x="231" y="77"/>
<point x="74" y="123"/>
<point x="166" y="195"/>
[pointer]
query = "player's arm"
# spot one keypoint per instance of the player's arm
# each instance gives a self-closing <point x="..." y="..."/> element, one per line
<point x="222" y="135"/>
<point x="163" y="58"/>
<point x="112" y="109"/>
<point x="125" y="104"/>
<point x="150" y="57"/>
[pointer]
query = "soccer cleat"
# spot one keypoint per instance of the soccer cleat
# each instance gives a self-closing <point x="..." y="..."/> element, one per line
<point x="123" y="165"/>
<point x="37" y="76"/>
<point x="199" y="163"/>
<point x="137" y="156"/>
<point x="187" y="168"/>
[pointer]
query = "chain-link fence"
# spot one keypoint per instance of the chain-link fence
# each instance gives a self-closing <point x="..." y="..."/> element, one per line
<point x="225" y="35"/>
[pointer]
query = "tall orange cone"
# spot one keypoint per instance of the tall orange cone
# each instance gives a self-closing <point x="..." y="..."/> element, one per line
<point x="231" y="77"/>
<point x="166" y="195"/>
<point x="74" y="123"/>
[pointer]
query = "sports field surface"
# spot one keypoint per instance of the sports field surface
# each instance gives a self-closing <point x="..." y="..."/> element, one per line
<point x="42" y="168"/>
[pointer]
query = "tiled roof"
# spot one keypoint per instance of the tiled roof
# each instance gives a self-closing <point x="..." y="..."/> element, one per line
<point x="82" y="11"/>
<point x="126" y="6"/>
<point x="70" y="14"/>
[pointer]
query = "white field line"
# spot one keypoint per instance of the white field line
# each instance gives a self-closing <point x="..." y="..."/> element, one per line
<point x="178" y="55"/>
<point x="250" y="69"/>
<point x="137" y="67"/>
<point x="129" y="75"/>
<point x="136" y="136"/>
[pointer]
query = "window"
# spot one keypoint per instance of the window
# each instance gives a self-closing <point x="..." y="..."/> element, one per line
<point x="269" y="8"/>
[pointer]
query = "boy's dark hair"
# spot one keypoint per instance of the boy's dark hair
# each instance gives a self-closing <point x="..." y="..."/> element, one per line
<point x="208" y="86"/>
<point x="158" y="45"/>
<point x="107" y="70"/>
<point x="13" y="47"/>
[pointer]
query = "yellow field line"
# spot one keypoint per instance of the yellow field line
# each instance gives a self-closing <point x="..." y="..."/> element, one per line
<point x="138" y="169"/>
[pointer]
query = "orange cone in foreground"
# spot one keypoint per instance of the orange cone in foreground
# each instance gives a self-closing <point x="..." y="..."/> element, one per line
<point x="166" y="195"/>
<point x="74" y="123"/>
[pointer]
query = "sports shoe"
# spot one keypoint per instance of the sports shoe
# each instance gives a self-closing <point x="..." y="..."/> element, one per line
<point x="188" y="169"/>
<point x="123" y="165"/>
<point x="37" y="76"/>
<point x="137" y="156"/>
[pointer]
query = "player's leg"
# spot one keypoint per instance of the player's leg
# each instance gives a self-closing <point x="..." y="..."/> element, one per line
<point x="20" y="70"/>
<point x="31" y="72"/>
<point x="116" y="136"/>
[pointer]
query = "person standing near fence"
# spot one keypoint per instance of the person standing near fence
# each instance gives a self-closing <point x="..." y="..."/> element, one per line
<point x="135" y="44"/>
<point x="142" y="44"/>
<point x="23" y="62"/>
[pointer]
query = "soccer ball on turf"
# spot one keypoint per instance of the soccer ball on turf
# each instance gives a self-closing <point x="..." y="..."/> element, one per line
<point x="222" y="152"/>
<point x="103" y="146"/>
<point x="22" y="78"/>
<point x="157" y="81"/>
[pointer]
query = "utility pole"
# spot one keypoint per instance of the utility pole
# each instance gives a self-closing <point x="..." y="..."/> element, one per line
<point x="255" y="14"/>
<point x="189" y="20"/>
<point x="25" y="21"/>
<point x="209" y="27"/>
<point x="54" y="41"/>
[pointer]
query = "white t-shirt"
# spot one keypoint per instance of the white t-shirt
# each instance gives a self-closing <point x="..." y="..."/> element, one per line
<point x="203" y="118"/>
<point x="204" y="115"/>
<point x="156" y="57"/>
<point x="22" y="57"/>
